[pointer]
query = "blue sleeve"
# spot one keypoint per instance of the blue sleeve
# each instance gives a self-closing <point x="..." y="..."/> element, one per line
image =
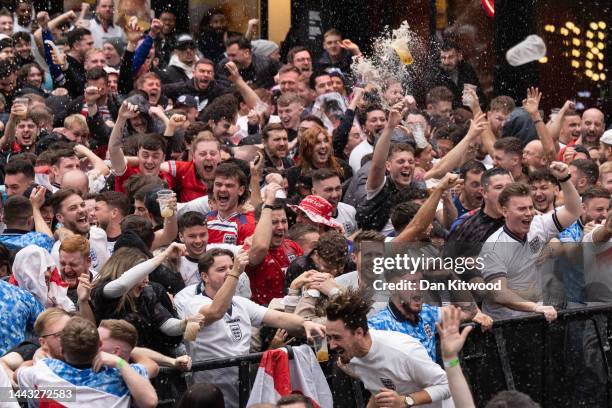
<point x="141" y="370"/>
<point x="54" y="70"/>
<point x="141" y="53"/>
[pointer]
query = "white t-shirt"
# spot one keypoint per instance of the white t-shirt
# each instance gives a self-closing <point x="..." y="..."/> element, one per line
<point x="357" y="154"/>
<point x="98" y="248"/>
<point x="191" y="275"/>
<point x="506" y="255"/>
<point x="5" y="385"/>
<point x="200" y="205"/>
<point x="229" y="336"/>
<point x="346" y="217"/>
<point x="99" y="35"/>
<point x="399" y="362"/>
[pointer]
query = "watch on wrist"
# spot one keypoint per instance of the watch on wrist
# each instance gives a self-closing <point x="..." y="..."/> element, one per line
<point x="267" y="206"/>
<point x="564" y="179"/>
<point x="409" y="401"/>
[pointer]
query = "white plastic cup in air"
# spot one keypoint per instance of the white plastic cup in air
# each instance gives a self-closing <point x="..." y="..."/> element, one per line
<point x="163" y="198"/>
<point x="530" y="49"/>
<point x="466" y="98"/>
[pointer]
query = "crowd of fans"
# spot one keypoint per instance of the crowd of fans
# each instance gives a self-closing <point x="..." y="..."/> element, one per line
<point x="288" y="177"/>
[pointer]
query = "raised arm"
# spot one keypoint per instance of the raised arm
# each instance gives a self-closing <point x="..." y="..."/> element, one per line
<point x="426" y="214"/>
<point x="460" y="153"/>
<point x="215" y="310"/>
<point x="381" y="150"/>
<point x="18" y="111"/>
<point x="531" y="105"/>
<point x="137" y="273"/>
<point x="249" y="95"/>
<point x="262" y="237"/>
<point x="451" y="342"/>
<point x="96" y="162"/>
<point x="115" y="143"/>
<point x="554" y="125"/>
<point x="487" y="137"/>
<point x="572" y="209"/>
<point x="168" y="233"/>
<point x="37" y="197"/>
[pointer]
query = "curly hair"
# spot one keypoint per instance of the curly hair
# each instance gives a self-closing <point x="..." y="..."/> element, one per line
<point x="308" y="141"/>
<point x="352" y="307"/>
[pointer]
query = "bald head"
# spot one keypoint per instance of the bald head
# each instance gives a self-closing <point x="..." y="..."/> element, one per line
<point x="533" y="155"/>
<point x="592" y="126"/>
<point x="76" y="179"/>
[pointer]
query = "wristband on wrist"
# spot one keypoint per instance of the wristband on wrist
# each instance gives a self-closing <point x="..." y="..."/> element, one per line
<point x="121" y="363"/>
<point x="563" y="180"/>
<point x="451" y="363"/>
<point x="232" y="275"/>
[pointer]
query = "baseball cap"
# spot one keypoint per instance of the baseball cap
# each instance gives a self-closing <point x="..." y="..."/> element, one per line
<point x="607" y="137"/>
<point x="185" y="41"/>
<point x="318" y="210"/>
<point x="186" y="100"/>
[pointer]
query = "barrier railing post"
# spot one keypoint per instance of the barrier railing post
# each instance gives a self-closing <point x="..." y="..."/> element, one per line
<point x="245" y="383"/>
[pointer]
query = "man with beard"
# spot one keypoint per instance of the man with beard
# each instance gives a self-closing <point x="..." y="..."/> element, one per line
<point x="544" y="190"/>
<point x="407" y="313"/>
<point x="326" y="183"/>
<point x="75" y="263"/>
<point x="48" y="325"/>
<point x="393" y="366"/>
<point x="534" y="157"/>
<point x="290" y="107"/>
<point x="271" y="252"/>
<point x="23" y="16"/>
<point x="595" y="206"/>
<point x="510" y="253"/>
<point x="202" y="86"/>
<point x="79" y="42"/>
<point x="228" y="224"/>
<point x="70" y="210"/>
<point x="151" y="148"/>
<point x="110" y="208"/>
<point x="102" y="26"/>
<point x="196" y="176"/>
<point x="592" y="127"/>
<point x="470" y="197"/>
<point x="276" y="147"/>
<point x="255" y="70"/>
<point x="453" y="72"/>
<point x="372" y="121"/>
<point x="166" y="41"/>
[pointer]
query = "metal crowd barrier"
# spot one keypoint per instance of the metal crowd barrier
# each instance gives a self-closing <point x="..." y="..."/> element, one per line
<point x="566" y="363"/>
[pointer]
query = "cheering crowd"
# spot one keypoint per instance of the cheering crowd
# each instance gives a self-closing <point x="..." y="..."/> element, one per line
<point x="171" y="198"/>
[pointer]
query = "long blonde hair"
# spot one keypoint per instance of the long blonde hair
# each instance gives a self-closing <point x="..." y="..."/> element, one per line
<point x="121" y="261"/>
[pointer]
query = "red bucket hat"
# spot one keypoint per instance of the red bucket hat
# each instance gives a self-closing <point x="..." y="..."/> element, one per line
<point x="318" y="210"/>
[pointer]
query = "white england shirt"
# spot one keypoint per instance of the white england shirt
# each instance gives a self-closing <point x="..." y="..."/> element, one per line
<point x="346" y="217"/>
<point x="597" y="270"/>
<point x="399" y="362"/>
<point x="229" y="336"/>
<point x="504" y="254"/>
<point x="104" y="389"/>
<point x="98" y="248"/>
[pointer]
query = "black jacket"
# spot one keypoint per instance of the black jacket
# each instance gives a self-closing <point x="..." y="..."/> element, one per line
<point x="203" y="97"/>
<point x="173" y="74"/>
<point x="466" y="75"/>
<point x="75" y="77"/>
<point x="260" y="73"/>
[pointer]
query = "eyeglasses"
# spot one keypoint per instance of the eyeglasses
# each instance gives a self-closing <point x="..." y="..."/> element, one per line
<point x="56" y="334"/>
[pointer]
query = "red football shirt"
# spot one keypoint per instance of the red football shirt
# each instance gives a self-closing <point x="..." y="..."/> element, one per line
<point x="130" y="170"/>
<point x="191" y="185"/>
<point x="268" y="278"/>
<point x="231" y="230"/>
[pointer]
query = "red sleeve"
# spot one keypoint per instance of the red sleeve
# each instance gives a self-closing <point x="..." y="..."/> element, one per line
<point x="246" y="230"/>
<point x="180" y="167"/>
